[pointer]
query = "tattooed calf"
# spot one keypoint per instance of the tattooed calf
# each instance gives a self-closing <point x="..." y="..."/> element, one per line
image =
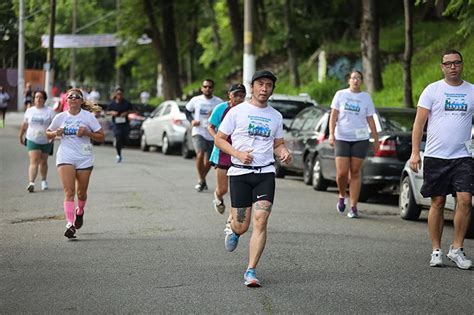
<point x="241" y="214"/>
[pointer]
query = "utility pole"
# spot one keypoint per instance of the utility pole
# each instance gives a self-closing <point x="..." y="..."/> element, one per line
<point x="21" y="58"/>
<point x="249" y="57"/>
<point x="117" y="52"/>
<point x="49" y="66"/>
<point x="72" y="69"/>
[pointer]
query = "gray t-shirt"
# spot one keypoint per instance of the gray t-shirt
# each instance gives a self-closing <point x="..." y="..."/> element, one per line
<point x="449" y="119"/>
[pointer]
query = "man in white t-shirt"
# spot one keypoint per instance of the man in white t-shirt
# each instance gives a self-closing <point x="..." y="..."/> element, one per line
<point x="198" y="110"/>
<point x="448" y="106"/>
<point x="256" y="132"/>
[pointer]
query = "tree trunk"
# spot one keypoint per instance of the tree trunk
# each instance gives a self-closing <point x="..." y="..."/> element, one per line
<point x="236" y="23"/>
<point x="291" y="46"/>
<point x="370" y="47"/>
<point x="165" y="45"/>
<point x="407" y="89"/>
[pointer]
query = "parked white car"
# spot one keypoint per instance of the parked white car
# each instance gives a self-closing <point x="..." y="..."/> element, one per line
<point x="165" y="128"/>
<point x="411" y="202"/>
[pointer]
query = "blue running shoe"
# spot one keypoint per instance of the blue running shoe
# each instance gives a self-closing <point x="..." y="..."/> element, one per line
<point x="250" y="278"/>
<point x="231" y="240"/>
<point x="341" y="205"/>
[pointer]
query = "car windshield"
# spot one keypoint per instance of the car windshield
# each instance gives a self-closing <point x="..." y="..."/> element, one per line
<point x="401" y="121"/>
<point x="289" y="109"/>
<point x="182" y="108"/>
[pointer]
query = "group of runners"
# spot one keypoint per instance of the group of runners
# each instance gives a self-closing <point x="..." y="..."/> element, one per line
<point x="242" y="139"/>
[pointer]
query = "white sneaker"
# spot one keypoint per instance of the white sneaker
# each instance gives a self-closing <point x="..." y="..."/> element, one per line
<point x="44" y="185"/>
<point x="31" y="187"/>
<point x="457" y="256"/>
<point x="218" y="204"/>
<point x="436" y="258"/>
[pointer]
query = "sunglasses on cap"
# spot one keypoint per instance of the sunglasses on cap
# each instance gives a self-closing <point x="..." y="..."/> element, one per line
<point x="74" y="97"/>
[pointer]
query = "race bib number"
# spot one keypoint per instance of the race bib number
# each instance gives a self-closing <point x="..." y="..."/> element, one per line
<point x="87" y="149"/>
<point x="469" y="146"/>
<point x="361" y="133"/>
<point x="40" y="134"/>
<point x="120" y="120"/>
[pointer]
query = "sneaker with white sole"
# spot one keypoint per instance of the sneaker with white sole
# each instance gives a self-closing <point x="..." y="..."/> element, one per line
<point x="44" y="185"/>
<point x="31" y="187"/>
<point x="353" y="213"/>
<point x="437" y="258"/>
<point x="341" y="205"/>
<point x="201" y="186"/>
<point x="231" y="240"/>
<point x="457" y="256"/>
<point x="219" y="205"/>
<point x="70" y="231"/>
<point x="250" y="278"/>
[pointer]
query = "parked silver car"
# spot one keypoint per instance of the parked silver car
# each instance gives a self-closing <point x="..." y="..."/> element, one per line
<point x="165" y="128"/>
<point x="411" y="202"/>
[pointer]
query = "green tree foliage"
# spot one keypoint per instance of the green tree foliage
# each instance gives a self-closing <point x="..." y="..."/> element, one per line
<point x="88" y="59"/>
<point x="463" y="10"/>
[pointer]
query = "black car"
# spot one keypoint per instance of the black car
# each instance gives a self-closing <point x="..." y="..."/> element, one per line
<point x="307" y="139"/>
<point x="290" y="105"/>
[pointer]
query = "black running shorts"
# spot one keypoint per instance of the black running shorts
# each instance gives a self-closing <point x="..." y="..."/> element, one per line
<point x="357" y="149"/>
<point x="442" y="177"/>
<point x="247" y="189"/>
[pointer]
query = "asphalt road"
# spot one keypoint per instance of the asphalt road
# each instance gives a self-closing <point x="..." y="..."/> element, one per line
<point x="151" y="244"/>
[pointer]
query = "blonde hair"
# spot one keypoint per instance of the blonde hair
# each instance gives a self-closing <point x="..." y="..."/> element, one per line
<point x="86" y="105"/>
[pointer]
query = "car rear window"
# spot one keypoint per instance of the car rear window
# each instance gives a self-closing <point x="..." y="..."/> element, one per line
<point x="397" y="121"/>
<point x="289" y="109"/>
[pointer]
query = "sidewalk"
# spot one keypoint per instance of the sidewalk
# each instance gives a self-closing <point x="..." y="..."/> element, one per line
<point x="13" y="118"/>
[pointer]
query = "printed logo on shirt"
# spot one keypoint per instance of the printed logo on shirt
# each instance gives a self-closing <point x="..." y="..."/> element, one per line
<point x="37" y="120"/>
<point x="351" y="107"/>
<point x="259" y="126"/>
<point x="71" y="127"/>
<point x="455" y="102"/>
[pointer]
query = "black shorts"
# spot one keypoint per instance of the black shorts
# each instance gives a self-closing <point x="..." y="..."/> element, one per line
<point x="356" y="149"/>
<point x="442" y="177"/>
<point x="247" y="189"/>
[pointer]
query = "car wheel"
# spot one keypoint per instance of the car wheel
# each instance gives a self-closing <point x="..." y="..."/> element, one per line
<point x="185" y="152"/>
<point x="365" y="193"/>
<point x="165" y="146"/>
<point x="143" y="145"/>
<point x="318" y="181"/>
<point x="308" y="170"/>
<point x="470" y="229"/>
<point x="409" y="210"/>
<point x="279" y="169"/>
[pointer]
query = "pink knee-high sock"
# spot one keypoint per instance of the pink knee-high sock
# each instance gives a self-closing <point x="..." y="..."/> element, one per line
<point x="69" y="211"/>
<point x="80" y="206"/>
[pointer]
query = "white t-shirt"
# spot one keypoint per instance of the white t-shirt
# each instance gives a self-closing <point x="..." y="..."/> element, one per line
<point x="201" y="107"/>
<point x="449" y="120"/>
<point x="72" y="146"/>
<point x="38" y="119"/>
<point x="255" y="128"/>
<point x="354" y="108"/>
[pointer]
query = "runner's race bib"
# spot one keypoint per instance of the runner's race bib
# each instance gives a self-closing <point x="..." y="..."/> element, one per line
<point x="87" y="149"/>
<point x="120" y="120"/>
<point x="361" y="133"/>
<point x="470" y="146"/>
